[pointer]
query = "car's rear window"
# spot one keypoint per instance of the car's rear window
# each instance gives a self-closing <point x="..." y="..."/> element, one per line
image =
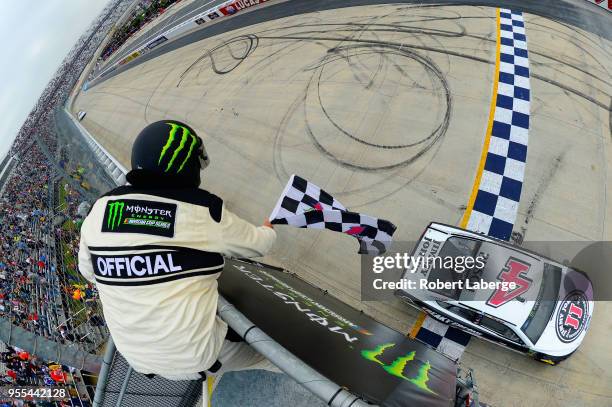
<point x="453" y="247"/>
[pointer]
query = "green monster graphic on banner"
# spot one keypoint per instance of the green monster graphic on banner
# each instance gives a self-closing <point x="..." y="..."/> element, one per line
<point x="381" y="365"/>
<point x="396" y="368"/>
<point x="186" y="134"/>
<point x="115" y="213"/>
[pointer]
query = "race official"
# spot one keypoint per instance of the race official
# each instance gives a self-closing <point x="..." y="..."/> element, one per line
<point x="154" y="248"/>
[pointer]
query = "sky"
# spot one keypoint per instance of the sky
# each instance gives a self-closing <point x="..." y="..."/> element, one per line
<point x="35" y="36"/>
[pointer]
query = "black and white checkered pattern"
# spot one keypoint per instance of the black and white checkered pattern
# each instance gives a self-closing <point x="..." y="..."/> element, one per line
<point x="300" y="196"/>
<point x="304" y="205"/>
<point x="497" y="200"/>
<point x="499" y="192"/>
<point x="447" y="339"/>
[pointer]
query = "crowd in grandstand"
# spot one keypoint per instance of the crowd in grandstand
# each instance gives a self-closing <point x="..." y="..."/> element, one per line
<point x="40" y="213"/>
<point x="24" y="261"/>
<point x="145" y="11"/>
<point x="23" y="369"/>
<point x="38" y="286"/>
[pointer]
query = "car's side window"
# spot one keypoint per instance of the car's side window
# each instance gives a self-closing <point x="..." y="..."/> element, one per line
<point x="484" y="321"/>
<point x="500" y="328"/>
<point x="462" y="312"/>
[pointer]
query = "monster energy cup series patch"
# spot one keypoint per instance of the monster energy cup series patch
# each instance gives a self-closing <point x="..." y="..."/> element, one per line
<point x="138" y="216"/>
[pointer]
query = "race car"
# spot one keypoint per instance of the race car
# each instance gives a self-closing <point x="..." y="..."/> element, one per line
<point x="505" y="294"/>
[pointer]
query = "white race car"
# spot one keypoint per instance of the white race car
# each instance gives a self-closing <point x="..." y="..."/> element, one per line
<point x="546" y="314"/>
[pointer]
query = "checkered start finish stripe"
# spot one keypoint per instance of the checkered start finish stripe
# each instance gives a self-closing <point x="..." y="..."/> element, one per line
<point x="496" y="204"/>
<point x="449" y="340"/>
<point x="497" y="198"/>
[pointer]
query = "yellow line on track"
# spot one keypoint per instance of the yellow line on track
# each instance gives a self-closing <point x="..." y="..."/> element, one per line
<point x="485" y="148"/>
<point x="417" y="325"/>
<point x="210" y="385"/>
<point x="483" y="156"/>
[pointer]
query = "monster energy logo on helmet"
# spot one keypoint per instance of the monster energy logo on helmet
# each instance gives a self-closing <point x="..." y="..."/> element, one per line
<point x="115" y="213"/>
<point x="167" y="152"/>
<point x="186" y="138"/>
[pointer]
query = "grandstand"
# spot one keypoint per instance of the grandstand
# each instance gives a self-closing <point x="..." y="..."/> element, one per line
<point x="45" y="186"/>
<point x="143" y="12"/>
<point x="38" y="279"/>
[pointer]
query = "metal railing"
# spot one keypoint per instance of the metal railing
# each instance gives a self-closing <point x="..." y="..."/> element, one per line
<point x="120" y="386"/>
<point x="69" y="354"/>
<point x="112" y="167"/>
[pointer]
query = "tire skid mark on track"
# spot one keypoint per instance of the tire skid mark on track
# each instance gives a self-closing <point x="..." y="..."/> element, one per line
<point x="545" y="180"/>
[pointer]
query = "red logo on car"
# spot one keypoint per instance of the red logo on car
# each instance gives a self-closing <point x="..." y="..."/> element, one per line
<point x="515" y="271"/>
<point x="574" y="315"/>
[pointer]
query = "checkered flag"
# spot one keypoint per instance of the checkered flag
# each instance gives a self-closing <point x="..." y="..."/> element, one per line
<point x="304" y="205"/>
<point x="300" y="196"/>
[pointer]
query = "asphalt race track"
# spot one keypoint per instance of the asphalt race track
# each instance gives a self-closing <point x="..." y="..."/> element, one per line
<point x="386" y="107"/>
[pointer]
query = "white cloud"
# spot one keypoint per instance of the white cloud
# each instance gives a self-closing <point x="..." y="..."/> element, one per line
<point x="35" y="48"/>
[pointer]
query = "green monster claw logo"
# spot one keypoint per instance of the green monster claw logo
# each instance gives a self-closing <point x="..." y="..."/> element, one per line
<point x="396" y="368"/>
<point x="186" y="134"/>
<point x="115" y="212"/>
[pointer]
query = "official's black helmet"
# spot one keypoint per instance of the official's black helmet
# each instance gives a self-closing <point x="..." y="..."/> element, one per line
<point x="167" y="152"/>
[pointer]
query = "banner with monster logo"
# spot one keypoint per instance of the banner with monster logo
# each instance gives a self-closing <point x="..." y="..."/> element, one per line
<point x="351" y="349"/>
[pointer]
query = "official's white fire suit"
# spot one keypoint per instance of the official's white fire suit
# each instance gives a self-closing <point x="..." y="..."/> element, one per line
<point x="155" y="256"/>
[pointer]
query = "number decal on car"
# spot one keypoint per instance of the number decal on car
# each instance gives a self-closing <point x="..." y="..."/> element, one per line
<point x="574" y="314"/>
<point x="515" y="271"/>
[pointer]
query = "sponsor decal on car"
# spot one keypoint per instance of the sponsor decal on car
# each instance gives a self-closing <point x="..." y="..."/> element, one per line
<point x="451" y="322"/>
<point x="515" y="271"/>
<point x="429" y="248"/>
<point x="572" y="316"/>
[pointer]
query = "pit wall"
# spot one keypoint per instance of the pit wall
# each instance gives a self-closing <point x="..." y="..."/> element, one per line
<point x="228" y="8"/>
